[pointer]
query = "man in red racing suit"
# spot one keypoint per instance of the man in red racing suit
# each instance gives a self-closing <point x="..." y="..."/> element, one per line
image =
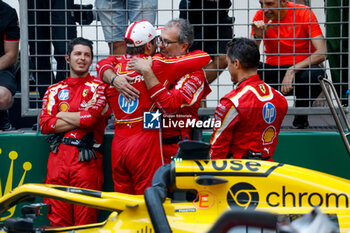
<point x="179" y="104"/>
<point x="251" y="115"/>
<point x="181" y="101"/>
<point x="137" y="151"/>
<point x="67" y="109"/>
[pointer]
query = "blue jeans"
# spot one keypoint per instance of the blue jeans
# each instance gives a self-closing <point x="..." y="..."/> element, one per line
<point x="115" y="15"/>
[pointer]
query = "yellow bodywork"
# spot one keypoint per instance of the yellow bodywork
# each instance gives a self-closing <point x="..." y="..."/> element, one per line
<point x="217" y="185"/>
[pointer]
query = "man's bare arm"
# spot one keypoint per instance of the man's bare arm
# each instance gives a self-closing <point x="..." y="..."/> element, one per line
<point x="315" y="58"/>
<point x="10" y="56"/>
<point x="259" y="29"/>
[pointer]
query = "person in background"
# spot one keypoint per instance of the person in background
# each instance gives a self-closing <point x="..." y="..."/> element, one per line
<point x="294" y="49"/>
<point x="115" y="16"/>
<point x="9" y="44"/>
<point x="75" y="110"/>
<point x="252" y="113"/>
<point x="49" y="22"/>
<point x="212" y="30"/>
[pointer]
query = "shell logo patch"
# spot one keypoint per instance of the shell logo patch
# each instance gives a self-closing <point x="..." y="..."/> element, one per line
<point x="269" y="135"/>
<point x="204" y="200"/>
<point x="85" y="92"/>
<point x="63" y="107"/>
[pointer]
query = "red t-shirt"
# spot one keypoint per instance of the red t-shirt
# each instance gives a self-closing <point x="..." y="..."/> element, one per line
<point x="300" y="22"/>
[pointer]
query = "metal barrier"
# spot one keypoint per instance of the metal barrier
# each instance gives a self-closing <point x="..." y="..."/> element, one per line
<point x="329" y="89"/>
<point x="336" y="67"/>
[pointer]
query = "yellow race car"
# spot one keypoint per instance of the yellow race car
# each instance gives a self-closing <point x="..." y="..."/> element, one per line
<point x="191" y="193"/>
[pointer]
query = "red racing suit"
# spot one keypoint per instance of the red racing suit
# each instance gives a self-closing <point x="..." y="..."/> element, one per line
<point x="251" y="116"/>
<point x="137" y="152"/>
<point x="180" y="103"/>
<point x="63" y="168"/>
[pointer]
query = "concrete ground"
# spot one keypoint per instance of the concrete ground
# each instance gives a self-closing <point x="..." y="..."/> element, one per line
<point x="317" y="123"/>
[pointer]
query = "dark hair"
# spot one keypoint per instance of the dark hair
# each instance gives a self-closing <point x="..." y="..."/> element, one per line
<point x="82" y="41"/>
<point x="136" y="50"/>
<point x="245" y="50"/>
<point x="186" y="34"/>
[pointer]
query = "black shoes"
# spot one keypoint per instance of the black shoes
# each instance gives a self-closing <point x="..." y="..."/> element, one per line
<point x="301" y="122"/>
<point x="5" y="124"/>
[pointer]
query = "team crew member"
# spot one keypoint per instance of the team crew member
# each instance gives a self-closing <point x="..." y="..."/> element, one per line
<point x="294" y="48"/>
<point x="252" y="113"/>
<point x="183" y="99"/>
<point x="137" y="152"/>
<point x="67" y="109"/>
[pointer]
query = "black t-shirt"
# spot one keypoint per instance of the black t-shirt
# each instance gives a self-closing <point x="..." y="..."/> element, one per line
<point x="9" y="29"/>
<point x="203" y="11"/>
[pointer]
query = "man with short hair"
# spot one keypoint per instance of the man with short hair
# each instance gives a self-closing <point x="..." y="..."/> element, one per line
<point x="181" y="101"/>
<point x="75" y="110"/>
<point x="9" y="43"/>
<point x="294" y="48"/>
<point x="137" y="152"/>
<point x="252" y="113"/>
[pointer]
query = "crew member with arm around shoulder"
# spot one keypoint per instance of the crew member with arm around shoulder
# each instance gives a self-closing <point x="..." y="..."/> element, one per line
<point x="137" y="149"/>
<point x="181" y="100"/>
<point x="252" y="113"/>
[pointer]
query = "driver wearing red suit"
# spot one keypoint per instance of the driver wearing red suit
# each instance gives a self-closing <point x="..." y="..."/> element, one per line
<point x="137" y="152"/>
<point x="75" y="107"/>
<point x="180" y="101"/>
<point x="251" y="115"/>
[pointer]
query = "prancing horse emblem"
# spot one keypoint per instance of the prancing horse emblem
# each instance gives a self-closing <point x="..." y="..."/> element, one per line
<point x="262" y="88"/>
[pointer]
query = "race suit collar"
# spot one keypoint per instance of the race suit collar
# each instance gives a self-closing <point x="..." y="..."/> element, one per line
<point x="75" y="81"/>
<point x="250" y="78"/>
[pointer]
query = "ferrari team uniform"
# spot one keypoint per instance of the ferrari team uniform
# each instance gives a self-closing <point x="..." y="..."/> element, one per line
<point x="137" y="151"/>
<point x="251" y="116"/>
<point x="63" y="168"/>
<point x="180" y="103"/>
<point x="288" y="42"/>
